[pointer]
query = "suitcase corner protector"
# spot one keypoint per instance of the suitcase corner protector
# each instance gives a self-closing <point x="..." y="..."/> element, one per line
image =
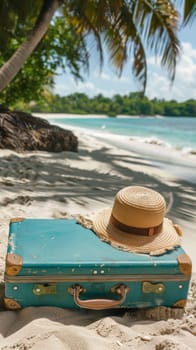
<point x="11" y="304"/>
<point x="185" y="264"/>
<point x="13" y="264"/>
<point x="16" y="220"/>
<point x="180" y="303"/>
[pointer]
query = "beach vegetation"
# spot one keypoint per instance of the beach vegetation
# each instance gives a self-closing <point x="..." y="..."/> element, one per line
<point x="39" y="37"/>
<point x="131" y="104"/>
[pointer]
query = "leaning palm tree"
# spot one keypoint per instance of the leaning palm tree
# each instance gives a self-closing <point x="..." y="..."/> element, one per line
<point x="127" y="28"/>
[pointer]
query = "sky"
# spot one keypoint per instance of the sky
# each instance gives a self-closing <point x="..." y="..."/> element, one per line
<point x="108" y="83"/>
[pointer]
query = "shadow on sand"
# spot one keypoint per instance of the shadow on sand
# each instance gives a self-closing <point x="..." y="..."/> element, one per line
<point x="51" y="176"/>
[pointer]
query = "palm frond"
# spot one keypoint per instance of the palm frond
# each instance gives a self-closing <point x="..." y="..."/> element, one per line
<point x="123" y="39"/>
<point x="140" y="63"/>
<point x="157" y="22"/>
<point x="189" y="11"/>
<point x="80" y="14"/>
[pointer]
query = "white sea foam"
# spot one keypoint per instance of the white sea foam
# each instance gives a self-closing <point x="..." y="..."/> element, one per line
<point x="188" y="150"/>
<point x="153" y="140"/>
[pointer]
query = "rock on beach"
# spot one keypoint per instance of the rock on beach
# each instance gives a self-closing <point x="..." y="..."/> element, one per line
<point x="21" y="132"/>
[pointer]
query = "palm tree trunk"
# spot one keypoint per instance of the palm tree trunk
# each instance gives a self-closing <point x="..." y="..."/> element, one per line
<point x="9" y="70"/>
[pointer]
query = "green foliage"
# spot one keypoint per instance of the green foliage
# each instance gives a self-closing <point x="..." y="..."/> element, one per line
<point x="132" y="104"/>
<point x="61" y="48"/>
<point x="17" y="15"/>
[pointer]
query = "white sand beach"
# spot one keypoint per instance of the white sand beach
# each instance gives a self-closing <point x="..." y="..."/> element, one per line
<point x="62" y="185"/>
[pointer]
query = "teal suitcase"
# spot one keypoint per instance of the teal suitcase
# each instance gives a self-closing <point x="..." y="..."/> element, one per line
<point x="60" y="263"/>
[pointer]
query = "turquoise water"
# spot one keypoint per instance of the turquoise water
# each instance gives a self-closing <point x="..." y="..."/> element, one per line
<point x="180" y="133"/>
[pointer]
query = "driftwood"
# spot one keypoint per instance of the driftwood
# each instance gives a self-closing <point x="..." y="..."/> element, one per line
<point x="21" y="132"/>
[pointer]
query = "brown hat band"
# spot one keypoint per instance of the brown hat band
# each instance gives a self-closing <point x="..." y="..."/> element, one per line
<point x="147" y="231"/>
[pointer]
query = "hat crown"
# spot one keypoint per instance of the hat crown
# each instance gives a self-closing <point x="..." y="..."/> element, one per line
<point x="139" y="207"/>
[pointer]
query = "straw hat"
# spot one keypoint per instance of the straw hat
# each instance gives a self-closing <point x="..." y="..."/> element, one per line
<point x="136" y="222"/>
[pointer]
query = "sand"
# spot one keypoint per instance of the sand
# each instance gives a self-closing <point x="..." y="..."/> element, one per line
<point x="38" y="184"/>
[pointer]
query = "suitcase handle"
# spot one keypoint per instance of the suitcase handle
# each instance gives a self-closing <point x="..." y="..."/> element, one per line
<point x="100" y="304"/>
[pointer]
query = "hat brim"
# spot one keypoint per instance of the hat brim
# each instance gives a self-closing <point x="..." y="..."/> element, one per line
<point x="157" y="244"/>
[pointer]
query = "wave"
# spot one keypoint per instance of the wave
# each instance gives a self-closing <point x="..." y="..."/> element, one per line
<point x="188" y="150"/>
<point x="153" y="145"/>
<point x="153" y="140"/>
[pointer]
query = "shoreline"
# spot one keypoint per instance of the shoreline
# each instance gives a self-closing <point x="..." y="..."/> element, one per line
<point x="137" y="141"/>
<point x="93" y="116"/>
<point x="104" y="116"/>
<point x="167" y="158"/>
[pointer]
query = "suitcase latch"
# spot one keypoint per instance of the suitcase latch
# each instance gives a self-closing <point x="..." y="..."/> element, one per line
<point x="41" y="289"/>
<point x="148" y="287"/>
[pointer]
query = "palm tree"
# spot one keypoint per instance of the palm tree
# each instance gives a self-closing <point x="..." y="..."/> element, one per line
<point x="13" y="65"/>
<point x="126" y="27"/>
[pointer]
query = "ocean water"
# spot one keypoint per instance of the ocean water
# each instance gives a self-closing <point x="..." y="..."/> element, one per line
<point x="175" y="132"/>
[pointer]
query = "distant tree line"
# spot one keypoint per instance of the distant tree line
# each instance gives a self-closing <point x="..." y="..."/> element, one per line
<point x="132" y="104"/>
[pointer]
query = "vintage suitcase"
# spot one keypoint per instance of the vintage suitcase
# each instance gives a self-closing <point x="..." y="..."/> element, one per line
<point x="60" y="263"/>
